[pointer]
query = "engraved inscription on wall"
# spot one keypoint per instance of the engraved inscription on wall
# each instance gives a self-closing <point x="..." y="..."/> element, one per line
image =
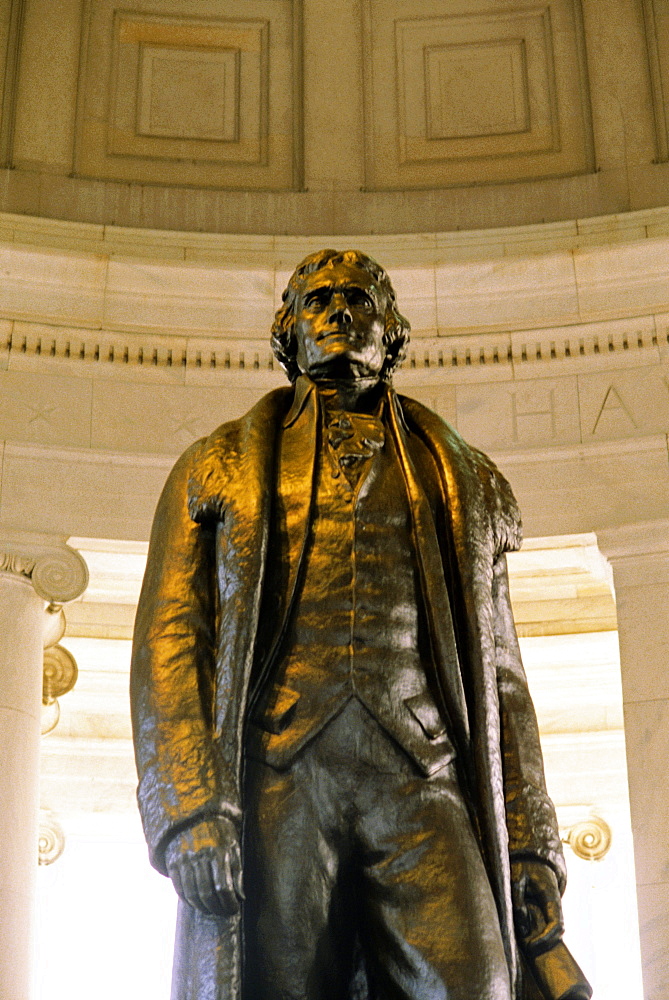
<point x="565" y="411"/>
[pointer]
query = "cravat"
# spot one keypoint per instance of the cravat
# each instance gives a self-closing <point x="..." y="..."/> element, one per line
<point x="353" y="439"/>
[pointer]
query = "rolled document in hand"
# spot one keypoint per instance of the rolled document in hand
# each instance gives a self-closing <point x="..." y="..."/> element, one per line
<point x="557" y="974"/>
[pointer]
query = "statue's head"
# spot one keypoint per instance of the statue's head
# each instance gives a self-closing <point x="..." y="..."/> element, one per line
<point x="339" y="319"/>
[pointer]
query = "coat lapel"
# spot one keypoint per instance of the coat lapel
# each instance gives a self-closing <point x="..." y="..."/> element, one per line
<point x="437" y="601"/>
<point x="294" y="488"/>
<point x="272" y="447"/>
<point x="234" y="489"/>
<point x="470" y="493"/>
<point x="297" y="478"/>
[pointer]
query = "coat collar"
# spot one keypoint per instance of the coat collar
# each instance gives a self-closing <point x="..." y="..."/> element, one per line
<point x="304" y="386"/>
<point x="303" y="389"/>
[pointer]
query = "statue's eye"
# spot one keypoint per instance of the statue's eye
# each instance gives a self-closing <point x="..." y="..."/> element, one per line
<point x="317" y="299"/>
<point x="361" y="300"/>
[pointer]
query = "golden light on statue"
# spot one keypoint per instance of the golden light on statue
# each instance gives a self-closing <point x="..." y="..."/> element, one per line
<point x="378" y="704"/>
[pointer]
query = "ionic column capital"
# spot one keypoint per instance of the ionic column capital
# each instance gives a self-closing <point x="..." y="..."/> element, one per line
<point x="57" y="572"/>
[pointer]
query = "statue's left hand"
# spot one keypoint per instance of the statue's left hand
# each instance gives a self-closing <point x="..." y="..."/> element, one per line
<point x="537" y="908"/>
<point x="204" y="863"/>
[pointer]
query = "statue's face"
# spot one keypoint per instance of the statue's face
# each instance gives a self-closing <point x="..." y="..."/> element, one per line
<point x="339" y="324"/>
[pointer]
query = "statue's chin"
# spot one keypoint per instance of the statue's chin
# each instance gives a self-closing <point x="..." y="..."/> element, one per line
<point x="342" y="369"/>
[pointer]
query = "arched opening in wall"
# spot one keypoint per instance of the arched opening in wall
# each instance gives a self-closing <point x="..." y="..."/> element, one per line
<point x="106" y="919"/>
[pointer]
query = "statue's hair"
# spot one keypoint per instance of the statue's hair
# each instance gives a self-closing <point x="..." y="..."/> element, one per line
<point x="283" y="338"/>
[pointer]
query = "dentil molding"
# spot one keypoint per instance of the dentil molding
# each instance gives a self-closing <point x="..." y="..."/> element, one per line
<point x="637" y="340"/>
<point x="483" y="304"/>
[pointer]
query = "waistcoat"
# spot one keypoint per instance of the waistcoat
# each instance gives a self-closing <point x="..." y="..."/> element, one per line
<point x="356" y="627"/>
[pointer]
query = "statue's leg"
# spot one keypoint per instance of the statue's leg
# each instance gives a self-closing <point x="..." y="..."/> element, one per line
<point x="430" y="923"/>
<point x="352" y="840"/>
<point x="298" y="942"/>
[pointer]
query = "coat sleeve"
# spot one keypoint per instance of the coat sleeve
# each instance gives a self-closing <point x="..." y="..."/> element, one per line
<point x="531" y="819"/>
<point x="181" y="779"/>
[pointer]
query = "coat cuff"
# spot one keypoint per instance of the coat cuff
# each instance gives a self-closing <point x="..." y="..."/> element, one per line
<point x="161" y="823"/>
<point x="533" y="830"/>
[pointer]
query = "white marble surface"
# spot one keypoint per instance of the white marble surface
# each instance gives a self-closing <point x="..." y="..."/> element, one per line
<point x="61" y="490"/>
<point x="653" y="902"/>
<point x="565" y="490"/>
<point x="21" y="644"/>
<point x="524" y="278"/>
<point x="647" y="734"/>
<point x="644" y="641"/>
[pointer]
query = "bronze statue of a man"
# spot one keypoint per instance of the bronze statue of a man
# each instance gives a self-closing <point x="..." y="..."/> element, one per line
<point x="339" y="762"/>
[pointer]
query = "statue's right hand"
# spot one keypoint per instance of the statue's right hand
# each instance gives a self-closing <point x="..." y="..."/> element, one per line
<point x="204" y="863"/>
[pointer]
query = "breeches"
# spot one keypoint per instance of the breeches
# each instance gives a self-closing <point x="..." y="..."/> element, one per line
<point x="363" y="878"/>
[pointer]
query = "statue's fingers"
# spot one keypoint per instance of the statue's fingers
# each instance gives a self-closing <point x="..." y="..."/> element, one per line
<point x="224" y="882"/>
<point x="190" y="892"/>
<point x="175" y="875"/>
<point x="552" y="927"/>
<point x="206" y="886"/>
<point x="235" y="861"/>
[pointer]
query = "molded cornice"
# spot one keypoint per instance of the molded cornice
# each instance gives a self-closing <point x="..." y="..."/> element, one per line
<point x="505" y="303"/>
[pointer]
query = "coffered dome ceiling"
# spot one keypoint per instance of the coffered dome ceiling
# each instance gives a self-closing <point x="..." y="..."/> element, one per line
<point x="333" y="116"/>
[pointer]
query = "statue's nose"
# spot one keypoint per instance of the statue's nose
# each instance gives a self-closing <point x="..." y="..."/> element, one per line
<point x="339" y="310"/>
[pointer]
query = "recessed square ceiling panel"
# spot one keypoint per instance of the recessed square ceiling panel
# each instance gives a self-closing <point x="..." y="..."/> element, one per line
<point x="481" y="95"/>
<point x="474" y="89"/>
<point x="204" y="82"/>
<point x="169" y="98"/>
<point x="656" y="14"/>
<point x="184" y="90"/>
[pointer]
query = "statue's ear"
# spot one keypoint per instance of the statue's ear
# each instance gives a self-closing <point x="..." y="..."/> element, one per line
<point x="396" y="340"/>
<point x="284" y="345"/>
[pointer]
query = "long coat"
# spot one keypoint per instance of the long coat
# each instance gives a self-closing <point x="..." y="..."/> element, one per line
<point x="196" y="643"/>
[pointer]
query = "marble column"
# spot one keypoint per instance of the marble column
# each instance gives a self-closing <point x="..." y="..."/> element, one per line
<point x="35" y="571"/>
<point x="639" y="556"/>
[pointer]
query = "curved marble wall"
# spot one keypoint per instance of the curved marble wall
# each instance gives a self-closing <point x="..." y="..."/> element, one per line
<point x="546" y="346"/>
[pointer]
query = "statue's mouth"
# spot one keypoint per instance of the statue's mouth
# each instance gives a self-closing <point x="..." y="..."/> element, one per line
<point x="339" y="331"/>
